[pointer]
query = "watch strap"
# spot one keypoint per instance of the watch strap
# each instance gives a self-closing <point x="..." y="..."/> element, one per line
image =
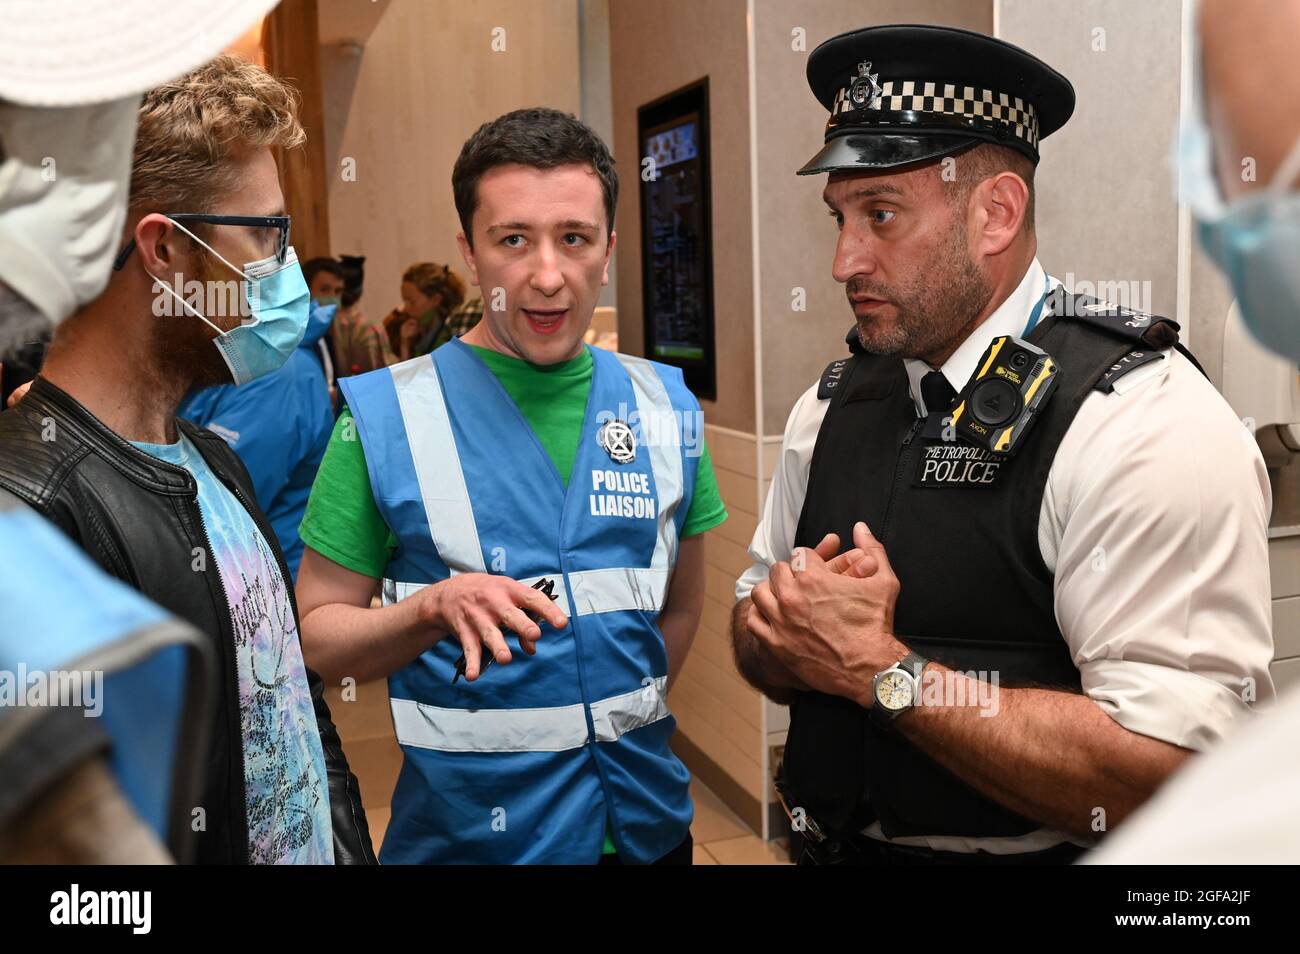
<point x="913" y="662"/>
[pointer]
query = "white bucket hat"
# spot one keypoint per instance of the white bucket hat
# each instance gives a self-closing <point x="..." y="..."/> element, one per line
<point x="77" y="52"/>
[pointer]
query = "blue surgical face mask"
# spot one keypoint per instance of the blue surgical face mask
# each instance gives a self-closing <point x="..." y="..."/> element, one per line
<point x="1255" y="239"/>
<point x="279" y="305"/>
<point x="320" y="316"/>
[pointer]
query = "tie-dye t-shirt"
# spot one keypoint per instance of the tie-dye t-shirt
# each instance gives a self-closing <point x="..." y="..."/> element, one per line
<point x="284" y="765"/>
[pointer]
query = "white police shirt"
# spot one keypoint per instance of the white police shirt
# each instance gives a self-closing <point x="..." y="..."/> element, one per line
<point x="1154" y="523"/>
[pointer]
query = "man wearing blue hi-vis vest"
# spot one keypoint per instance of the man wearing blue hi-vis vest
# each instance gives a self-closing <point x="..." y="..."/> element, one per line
<point x="512" y="458"/>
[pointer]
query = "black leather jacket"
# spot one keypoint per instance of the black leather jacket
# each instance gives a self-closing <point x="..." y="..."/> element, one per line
<point x="138" y="517"/>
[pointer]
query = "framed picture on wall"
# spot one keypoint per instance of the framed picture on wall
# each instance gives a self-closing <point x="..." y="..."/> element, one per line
<point x="677" y="235"/>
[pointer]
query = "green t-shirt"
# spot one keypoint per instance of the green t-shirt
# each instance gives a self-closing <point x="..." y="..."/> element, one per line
<point x="343" y="523"/>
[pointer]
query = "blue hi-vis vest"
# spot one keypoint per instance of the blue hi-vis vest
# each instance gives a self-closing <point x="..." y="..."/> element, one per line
<point x="88" y="640"/>
<point x="524" y="764"/>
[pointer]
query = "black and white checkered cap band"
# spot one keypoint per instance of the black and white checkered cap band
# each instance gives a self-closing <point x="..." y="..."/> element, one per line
<point x="984" y="106"/>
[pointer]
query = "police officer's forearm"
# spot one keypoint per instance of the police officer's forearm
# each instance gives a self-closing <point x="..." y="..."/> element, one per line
<point x="1053" y="756"/>
<point x="756" y="665"/>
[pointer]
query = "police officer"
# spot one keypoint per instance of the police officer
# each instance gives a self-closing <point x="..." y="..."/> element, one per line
<point x="998" y="642"/>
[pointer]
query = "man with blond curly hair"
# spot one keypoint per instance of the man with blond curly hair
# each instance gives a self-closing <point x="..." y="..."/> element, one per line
<point x="205" y="290"/>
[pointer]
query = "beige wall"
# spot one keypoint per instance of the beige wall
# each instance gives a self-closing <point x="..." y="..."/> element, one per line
<point x="597" y="100"/>
<point x="1106" y="209"/>
<point x="403" y="104"/>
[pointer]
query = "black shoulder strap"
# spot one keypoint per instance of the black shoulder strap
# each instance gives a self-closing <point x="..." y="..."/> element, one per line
<point x="1192" y="358"/>
<point x="836" y="371"/>
<point x="1153" y="331"/>
<point x="1152" y="334"/>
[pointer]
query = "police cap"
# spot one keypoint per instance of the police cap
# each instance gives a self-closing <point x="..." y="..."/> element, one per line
<point x="906" y="93"/>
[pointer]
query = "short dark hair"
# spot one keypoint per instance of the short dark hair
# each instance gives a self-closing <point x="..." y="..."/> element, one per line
<point x="985" y="160"/>
<point x="314" y="266"/>
<point x="538" y="137"/>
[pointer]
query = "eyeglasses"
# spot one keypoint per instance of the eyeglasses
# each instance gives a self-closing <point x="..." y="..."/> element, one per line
<point x="280" y="222"/>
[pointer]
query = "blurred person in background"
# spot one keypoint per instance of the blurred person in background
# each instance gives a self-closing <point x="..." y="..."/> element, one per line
<point x="430" y="295"/>
<point x="325" y="282"/>
<point x="466" y="315"/>
<point x="360" y="344"/>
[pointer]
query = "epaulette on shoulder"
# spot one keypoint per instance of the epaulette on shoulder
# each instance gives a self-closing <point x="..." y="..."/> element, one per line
<point x="1151" y="331"/>
<point x="831" y="378"/>
<point x="834" y="372"/>
<point x="1130" y="362"/>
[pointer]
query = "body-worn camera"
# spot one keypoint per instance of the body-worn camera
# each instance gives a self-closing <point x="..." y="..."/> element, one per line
<point x="1001" y="400"/>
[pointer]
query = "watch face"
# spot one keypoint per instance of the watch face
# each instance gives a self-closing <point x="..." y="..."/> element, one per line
<point x="894" y="691"/>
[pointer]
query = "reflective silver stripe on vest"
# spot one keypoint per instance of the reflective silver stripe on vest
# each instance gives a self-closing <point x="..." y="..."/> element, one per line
<point x="489" y="730"/>
<point x="437" y="465"/>
<point x="631" y="710"/>
<point x="553" y="729"/>
<point x="618" y="588"/>
<point x="594" y="591"/>
<point x="665" y="454"/>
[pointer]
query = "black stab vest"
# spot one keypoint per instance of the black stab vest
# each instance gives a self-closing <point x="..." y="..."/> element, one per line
<point x="961" y="531"/>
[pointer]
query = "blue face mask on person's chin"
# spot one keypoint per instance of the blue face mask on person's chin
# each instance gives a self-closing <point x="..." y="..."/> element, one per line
<point x="280" y="305"/>
<point x="1255" y="239"/>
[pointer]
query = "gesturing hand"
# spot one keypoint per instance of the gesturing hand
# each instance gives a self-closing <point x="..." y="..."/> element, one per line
<point x="477" y="607"/>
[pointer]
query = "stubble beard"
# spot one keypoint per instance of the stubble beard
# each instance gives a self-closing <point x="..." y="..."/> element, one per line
<point x="183" y="345"/>
<point x="944" y="297"/>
